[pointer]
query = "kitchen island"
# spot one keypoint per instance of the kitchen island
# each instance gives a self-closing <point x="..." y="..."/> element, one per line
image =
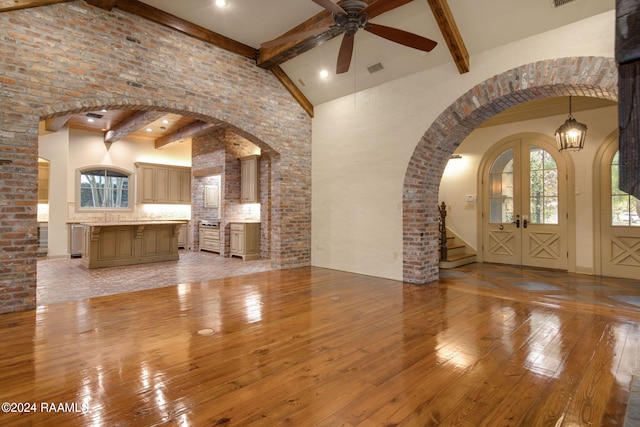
<point x="112" y="244"/>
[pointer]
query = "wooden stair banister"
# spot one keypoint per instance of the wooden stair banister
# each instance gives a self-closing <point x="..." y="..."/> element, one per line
<point x="453" y="250"/>
<point x="443" y="231"/>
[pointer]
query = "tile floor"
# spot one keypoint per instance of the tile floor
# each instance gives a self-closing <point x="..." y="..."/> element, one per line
<point x="66" y="280"/>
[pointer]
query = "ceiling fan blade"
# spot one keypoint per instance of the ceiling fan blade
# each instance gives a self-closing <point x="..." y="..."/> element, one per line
<point x="344" y="56"/>
<point x="286" y="38"/>
<point x="381" y="6"/>
<point x="400" y="36"/>
<point x="331" y="6"/>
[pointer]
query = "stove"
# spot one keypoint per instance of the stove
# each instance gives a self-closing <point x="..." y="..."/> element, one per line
<point x="210" y="223"/>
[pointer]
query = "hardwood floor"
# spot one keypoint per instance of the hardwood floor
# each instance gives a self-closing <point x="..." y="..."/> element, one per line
<point x="486" y="345"/>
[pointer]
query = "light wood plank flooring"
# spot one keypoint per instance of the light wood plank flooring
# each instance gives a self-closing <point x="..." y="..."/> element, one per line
<point x="486" y="345"/>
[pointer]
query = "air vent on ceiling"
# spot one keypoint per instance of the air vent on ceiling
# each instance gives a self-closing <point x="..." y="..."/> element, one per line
<point x="558" y="3"/>
<point x="95" y="116"/>
<point x="375" y="68"/>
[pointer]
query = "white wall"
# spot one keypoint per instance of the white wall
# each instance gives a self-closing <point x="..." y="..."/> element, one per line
<point x="362" y="145"/>
<point x="55" y="148"/>
<point x="71" y="149"/>
<point x="460" y="177"/>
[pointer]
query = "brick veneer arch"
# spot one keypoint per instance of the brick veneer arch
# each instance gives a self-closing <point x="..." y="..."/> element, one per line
<point x="73" y="57"/>
<point x="148" y="104"/>
<point x="578" y="76"/>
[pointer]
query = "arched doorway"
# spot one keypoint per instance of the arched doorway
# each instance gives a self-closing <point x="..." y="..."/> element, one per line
<point x="617" y="218"/>
<point x="586" y="76"/>
<point x="114" y="157"/>
<point x="524" y="203"/>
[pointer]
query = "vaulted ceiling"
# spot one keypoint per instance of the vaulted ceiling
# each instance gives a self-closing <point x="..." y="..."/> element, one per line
<point x="462" y="28"/>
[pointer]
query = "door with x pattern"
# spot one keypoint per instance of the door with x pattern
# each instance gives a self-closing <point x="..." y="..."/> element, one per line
<point x="524" y="217"/>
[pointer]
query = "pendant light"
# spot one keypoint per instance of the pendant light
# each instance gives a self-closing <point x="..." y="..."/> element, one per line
<point x="572" y="134"/>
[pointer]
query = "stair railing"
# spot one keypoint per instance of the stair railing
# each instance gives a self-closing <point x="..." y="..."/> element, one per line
<point x="443" y="231"/>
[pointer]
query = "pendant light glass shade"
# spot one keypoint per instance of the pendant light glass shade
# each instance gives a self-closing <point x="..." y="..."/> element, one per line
<point x="572" y="134"/>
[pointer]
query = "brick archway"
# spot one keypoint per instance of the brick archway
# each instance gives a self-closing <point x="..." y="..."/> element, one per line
<point x="64" y="109"/>
<point x="200" y="158"/>
<point x="579" y="76"/>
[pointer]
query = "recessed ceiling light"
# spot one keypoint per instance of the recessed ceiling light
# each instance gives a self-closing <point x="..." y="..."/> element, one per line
<point x="221" y="3"/>
<point x="324" y="74"/>
<point x="149" y="129"/>
<point x="90" y="120"/>
<point x="165" y="121"/>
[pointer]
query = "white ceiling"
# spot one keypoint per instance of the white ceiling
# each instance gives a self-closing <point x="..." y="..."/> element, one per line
<point x="483" y="24"/>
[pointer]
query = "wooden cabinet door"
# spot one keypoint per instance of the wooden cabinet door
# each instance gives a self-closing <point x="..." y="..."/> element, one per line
<point x="185" y="186"/>
<point x="249" y="178"/>
<point x="162" y="185"/>
<point x="237" y="242"/>
<point x="158" y="240"/>
<point x="174" y="187"/>
<point x="147" y="185"/>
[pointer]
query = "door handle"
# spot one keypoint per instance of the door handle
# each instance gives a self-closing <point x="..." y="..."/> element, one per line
<point x="517" y="223"/>
<point x="525" y="223"/>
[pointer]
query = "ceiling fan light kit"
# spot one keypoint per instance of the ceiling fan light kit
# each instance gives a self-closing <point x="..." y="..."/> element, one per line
<point x="352" y="15"/>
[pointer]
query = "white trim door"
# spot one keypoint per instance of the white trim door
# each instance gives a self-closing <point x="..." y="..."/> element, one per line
<point x="619" y="221"/>
<point x="524" y="215"/>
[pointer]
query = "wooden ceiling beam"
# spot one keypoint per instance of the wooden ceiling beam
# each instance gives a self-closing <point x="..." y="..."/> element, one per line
<point x="156" y="15"/>
<point x="56" y="123"/>
<point x="186" y="27"/>
<point x="293" y="90"/>
<point x="103" y="4"/>
<point x="451" y="34"/>
<point x="189" y="131"/>
<point x="274" y="56"/>
<point x="132" y="124"/>
<point x="7" y="5"/>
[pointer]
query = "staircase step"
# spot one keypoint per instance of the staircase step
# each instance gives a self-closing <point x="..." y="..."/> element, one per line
<point x="454" y="261"/>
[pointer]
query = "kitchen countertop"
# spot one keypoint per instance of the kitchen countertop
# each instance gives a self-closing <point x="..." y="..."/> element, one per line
<point x="117" y="223"/>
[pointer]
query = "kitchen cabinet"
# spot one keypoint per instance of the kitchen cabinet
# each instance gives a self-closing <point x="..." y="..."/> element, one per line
<point x="250" y="179"/>
<point x="126" y="243"/>
<point x="212" y="196"/>
<point x="245" y="240"/>
<point x="209" y="237"/>
<point x="163" y="183"/>
<point x="183" y="236"/>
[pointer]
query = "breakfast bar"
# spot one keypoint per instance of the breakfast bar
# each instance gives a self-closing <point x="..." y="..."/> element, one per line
<point x="112" y="244"/>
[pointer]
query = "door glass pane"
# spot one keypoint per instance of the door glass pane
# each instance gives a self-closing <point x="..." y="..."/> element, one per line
<point x="625" y="209"/>
<point x="501" y="188"/>
<point x="543" y="187"/>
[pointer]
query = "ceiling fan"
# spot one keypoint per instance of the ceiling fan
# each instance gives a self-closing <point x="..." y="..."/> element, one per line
<point x="351" y="15"/>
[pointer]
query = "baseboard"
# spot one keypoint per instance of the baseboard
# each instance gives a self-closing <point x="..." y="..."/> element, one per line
<point x="63" y="256"/>
<point x="584" y="270"/>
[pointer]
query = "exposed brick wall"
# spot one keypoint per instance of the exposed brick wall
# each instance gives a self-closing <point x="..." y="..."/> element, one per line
<point x="589" y="76"/>
<point x="72" y="57"/>
<point x="265" y="206"/>
<point x="207" y="154"/>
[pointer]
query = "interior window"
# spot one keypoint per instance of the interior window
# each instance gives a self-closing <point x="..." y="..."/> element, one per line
<point x="625" y="209"/>
<point x="543" y="187"/>
<point x="501" y="187"/>
<point x="104" y="189"/>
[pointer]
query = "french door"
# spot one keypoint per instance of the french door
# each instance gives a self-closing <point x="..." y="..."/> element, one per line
<point x="619" y="221"/>
<point x="524" y="210"/>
